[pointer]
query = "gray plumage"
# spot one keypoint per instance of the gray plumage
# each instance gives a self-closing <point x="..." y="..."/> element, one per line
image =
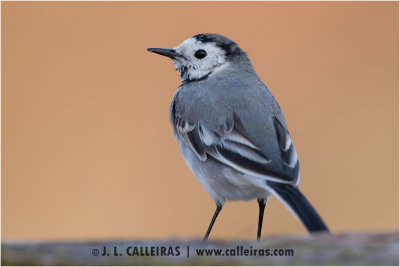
<point x="230" y="128"/>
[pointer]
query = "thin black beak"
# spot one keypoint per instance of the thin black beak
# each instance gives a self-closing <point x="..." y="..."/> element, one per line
<point x="171" y="53"/>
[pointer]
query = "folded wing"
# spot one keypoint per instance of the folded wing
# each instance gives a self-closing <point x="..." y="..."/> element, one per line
<point x="233" y="147"/>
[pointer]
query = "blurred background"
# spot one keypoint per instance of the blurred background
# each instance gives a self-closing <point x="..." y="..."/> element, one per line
<point x="82" y="160"/>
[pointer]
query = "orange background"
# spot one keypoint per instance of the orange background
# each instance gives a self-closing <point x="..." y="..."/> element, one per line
<point x="87" y="149"/>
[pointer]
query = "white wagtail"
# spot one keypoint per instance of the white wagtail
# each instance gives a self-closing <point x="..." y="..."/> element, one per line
<point x="231" y="130"/>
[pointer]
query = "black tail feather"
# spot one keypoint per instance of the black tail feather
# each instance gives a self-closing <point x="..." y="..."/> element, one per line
<point x="300" y="205"/>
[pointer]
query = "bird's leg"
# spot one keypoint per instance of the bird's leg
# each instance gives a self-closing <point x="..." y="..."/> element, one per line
<point x="212" y="222"/>
<point x="261" y="204"/>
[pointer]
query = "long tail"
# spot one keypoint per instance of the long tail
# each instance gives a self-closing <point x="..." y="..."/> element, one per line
<point x="300" y="206"/>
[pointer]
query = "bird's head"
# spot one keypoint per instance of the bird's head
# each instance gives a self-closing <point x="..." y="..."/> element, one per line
<point x="202" y="55"/>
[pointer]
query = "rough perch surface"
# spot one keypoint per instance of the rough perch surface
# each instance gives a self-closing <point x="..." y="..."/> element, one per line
<point x="339" y="249"/>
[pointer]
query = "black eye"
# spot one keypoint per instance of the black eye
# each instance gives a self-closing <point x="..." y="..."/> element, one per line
<point x="200" y="54"/>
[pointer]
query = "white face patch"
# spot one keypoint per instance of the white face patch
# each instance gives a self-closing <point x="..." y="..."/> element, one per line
<point x="193" y="68"/>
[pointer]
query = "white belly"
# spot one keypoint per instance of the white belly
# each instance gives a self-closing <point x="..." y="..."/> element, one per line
<point x="223" y="182"/>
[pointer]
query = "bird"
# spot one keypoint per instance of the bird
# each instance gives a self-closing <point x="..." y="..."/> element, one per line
<point x="231" y="130"/>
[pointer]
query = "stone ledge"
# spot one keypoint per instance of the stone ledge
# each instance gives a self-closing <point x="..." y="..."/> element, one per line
<point x="340" y="249"/>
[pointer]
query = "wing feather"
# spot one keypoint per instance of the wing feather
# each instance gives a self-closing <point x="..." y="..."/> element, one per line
<point x="235" y="149"/>
<point x="288" y="152"/>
